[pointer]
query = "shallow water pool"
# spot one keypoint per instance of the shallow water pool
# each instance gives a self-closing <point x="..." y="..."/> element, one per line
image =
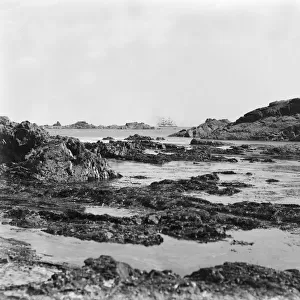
<point x="271" y="248"/>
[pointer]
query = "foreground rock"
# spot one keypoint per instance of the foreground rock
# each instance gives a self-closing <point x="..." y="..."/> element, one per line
<point x="57" y="208"/>
<point x="30" y="152"/>
<point x="277" y="122"/>
<point x="107" y="278"/>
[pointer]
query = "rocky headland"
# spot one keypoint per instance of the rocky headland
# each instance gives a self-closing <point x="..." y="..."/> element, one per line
<point x="47" y="181"/>
<point x="280" y="121"/>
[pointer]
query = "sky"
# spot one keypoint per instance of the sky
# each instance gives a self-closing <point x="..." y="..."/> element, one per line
<point x="117" y="61"/>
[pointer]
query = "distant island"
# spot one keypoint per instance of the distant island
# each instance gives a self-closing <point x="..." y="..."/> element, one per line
<point x="85" y="125"/>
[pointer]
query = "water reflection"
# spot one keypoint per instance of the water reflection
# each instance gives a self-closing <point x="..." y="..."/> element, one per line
<point x="271" y="248"/>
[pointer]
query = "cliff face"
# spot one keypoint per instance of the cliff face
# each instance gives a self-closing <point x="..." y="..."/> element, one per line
<point x="280" y="121"/>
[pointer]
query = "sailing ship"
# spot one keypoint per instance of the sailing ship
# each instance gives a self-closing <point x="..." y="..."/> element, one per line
<point x="166" y="122"/>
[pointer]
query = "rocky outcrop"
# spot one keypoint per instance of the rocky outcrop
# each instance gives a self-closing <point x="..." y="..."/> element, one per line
<point x="81" y="125"/>
<point x="137" y="137"/>
<point x="131" y="125"/>
<point x="204" y="130"/>
<point x="280" y="121"/>
<point x="17" y="140"/>
<point x="206" y="143"/>
<point x="137" y="125"/>
<point x="30" y="152"/>
<point x="57" y="124"/>
<point x="4" y="120"/>
<point x="132" y="150"/>
<point x="275" y="109"/>
<point x="85" y="125"/>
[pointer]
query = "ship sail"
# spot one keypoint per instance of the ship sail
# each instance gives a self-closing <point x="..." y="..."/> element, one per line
<point x="166" y="122"/>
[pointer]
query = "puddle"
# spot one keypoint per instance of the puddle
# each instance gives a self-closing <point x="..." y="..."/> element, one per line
<point x="150" y="151"/>
<point x="224" y="147"/>
<point x="115" y="212"/>
<point x="285" y="191"/>
<point x="272" y="248"/>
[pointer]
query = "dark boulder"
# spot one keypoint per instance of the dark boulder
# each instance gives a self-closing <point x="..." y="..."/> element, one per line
<point x="206" y="143"/>
<point x="17" y="140"/>
<point x="108" y="138"/>
<point x="137" y="137"/>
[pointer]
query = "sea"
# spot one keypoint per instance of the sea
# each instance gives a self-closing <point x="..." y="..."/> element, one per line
<point x="272" y="247"/>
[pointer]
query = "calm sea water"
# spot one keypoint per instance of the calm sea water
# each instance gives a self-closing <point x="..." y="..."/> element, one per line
<point x="93" y="135"/>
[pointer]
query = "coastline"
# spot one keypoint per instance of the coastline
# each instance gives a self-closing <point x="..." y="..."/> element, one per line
<point x="162" y="209"/>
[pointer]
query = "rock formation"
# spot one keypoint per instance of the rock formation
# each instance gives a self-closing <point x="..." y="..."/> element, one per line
<point x="204" y="130"/>
<point x="30" y="152"/>
<point x="85" y="125"/>
<point x="57" y="124"/>
<point x="280" y="121"/>
<point x="81" y="125"/>
<point x="131" y="125"/>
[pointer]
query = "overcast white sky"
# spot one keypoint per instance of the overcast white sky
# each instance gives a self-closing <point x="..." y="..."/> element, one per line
<point x="118" y="61"/>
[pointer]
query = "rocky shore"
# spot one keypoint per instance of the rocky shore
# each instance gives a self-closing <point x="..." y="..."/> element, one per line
<point x="277" y="122"/>
<point x="46" y="182"/>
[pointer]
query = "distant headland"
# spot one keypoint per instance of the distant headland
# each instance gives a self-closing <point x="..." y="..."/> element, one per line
<point x="85" y="125"/>
<point x="279" y="121"/>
